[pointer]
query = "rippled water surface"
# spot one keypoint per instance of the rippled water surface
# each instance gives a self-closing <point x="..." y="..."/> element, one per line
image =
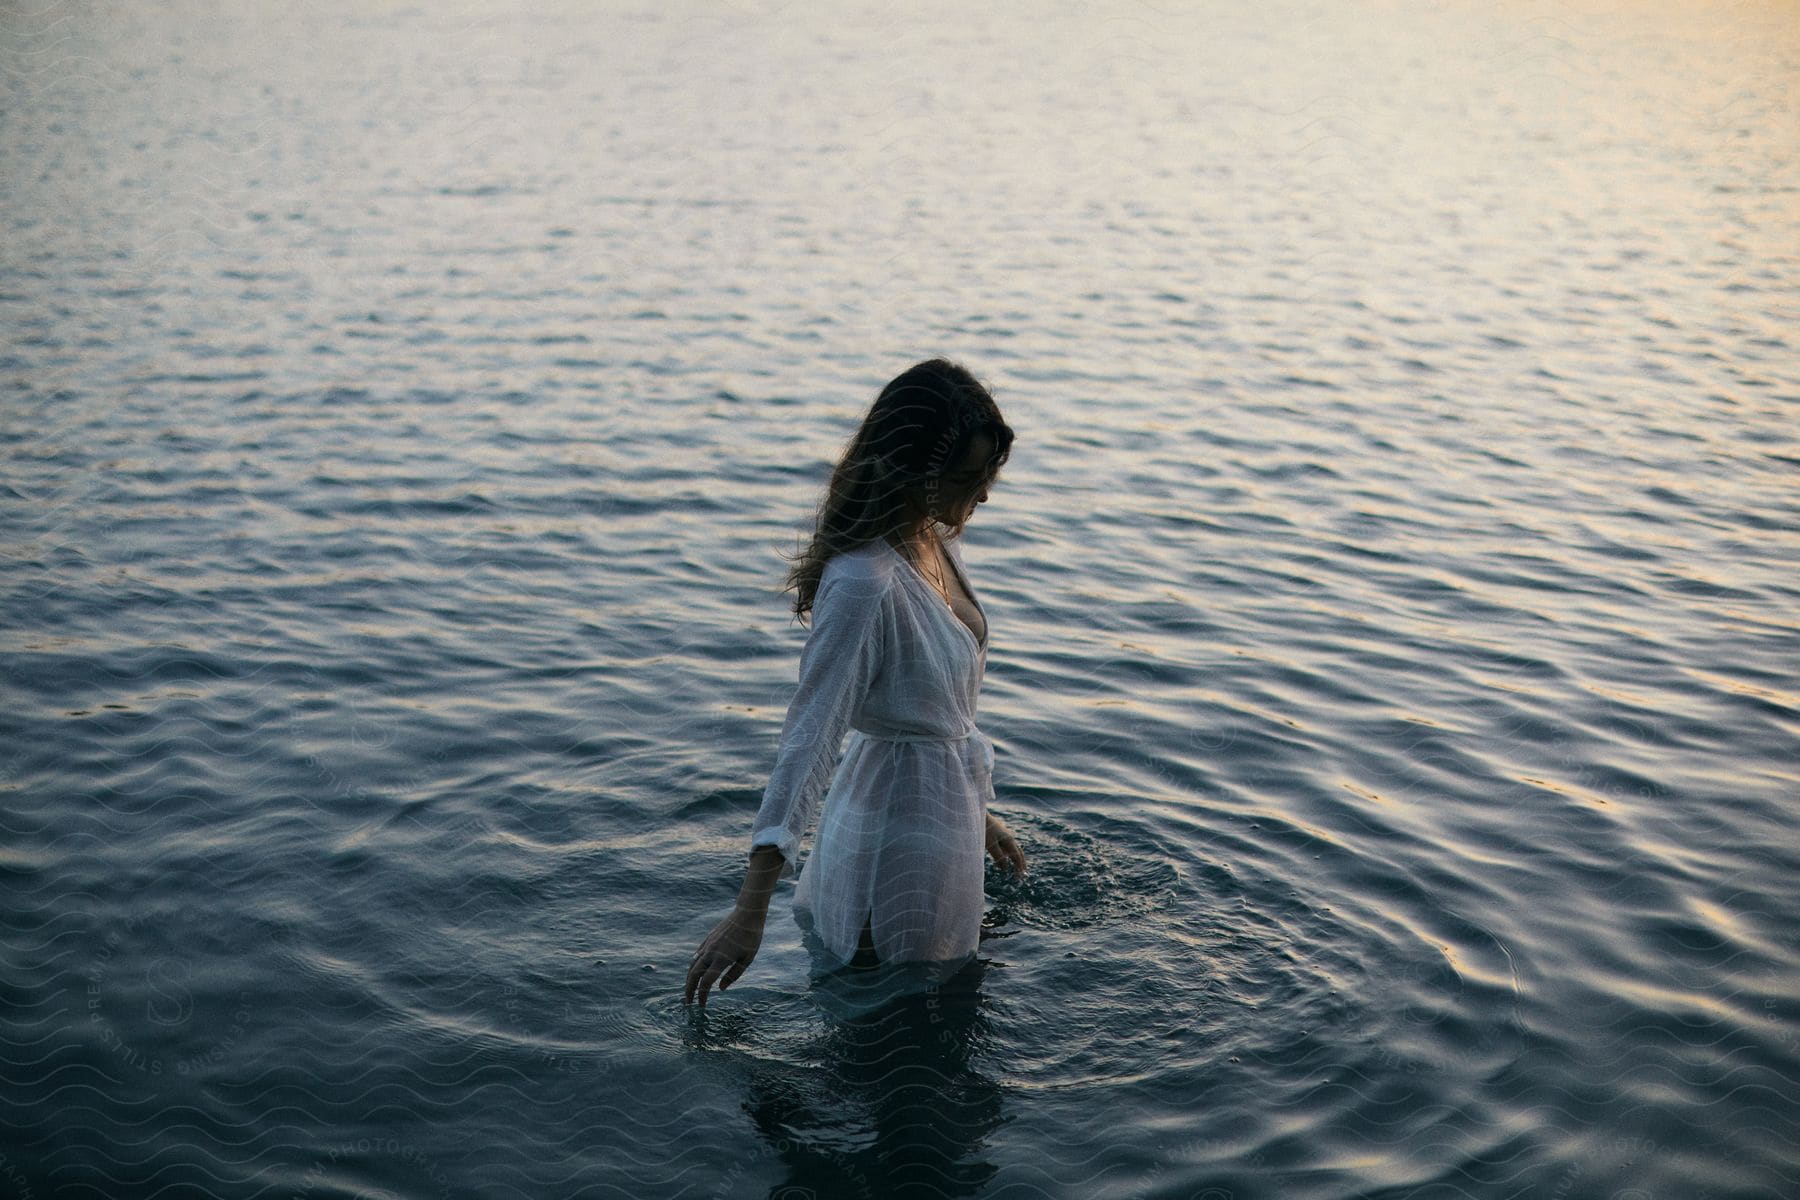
<point x="1393" y="593"/>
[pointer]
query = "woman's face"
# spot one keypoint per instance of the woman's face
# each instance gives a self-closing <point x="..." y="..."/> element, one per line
<point x="965" y="484"/>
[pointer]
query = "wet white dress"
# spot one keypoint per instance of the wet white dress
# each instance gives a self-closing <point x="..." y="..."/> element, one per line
<point x="901" y="842"/>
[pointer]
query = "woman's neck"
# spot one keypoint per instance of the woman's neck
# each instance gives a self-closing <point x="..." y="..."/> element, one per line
<point x="923" y="535"/>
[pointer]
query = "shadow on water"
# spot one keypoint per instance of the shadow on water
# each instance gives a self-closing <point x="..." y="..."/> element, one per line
<point x="894" y="1105"/>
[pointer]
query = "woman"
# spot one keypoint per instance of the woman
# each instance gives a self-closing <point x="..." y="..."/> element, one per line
<point x="897" y="650"/>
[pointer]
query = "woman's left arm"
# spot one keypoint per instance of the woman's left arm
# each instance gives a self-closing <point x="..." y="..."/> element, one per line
<point x="1004" y="847"/>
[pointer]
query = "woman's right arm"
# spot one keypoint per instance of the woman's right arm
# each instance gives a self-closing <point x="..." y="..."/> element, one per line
<point x="837" y="666"/>
<point x="765" y="868"/>
<point x="730" y="947"/>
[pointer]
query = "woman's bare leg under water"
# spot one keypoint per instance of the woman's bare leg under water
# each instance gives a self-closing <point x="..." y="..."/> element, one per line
<point x="865" y="947"/>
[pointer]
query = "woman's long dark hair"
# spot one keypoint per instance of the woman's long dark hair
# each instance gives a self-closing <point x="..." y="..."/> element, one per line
<point x="889" y="478"/>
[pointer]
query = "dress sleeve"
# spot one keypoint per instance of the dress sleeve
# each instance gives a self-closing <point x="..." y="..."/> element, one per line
<point x="837" y="666"/>
<point x="987" y="769"/>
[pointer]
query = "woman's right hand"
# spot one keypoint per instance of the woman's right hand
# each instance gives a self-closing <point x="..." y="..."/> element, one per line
<point x="725" y="953"/>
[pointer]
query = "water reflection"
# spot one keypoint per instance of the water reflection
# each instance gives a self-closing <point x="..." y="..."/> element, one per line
<point x="896" y="1106"/>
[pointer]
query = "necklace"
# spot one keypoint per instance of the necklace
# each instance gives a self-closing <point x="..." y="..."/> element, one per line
<point x="937" y="570"/>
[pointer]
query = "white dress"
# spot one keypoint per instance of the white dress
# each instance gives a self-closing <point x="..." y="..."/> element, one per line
<point x="901" y="843"/>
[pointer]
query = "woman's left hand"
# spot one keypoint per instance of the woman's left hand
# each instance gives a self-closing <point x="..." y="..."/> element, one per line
<point x="1003" y="846"/>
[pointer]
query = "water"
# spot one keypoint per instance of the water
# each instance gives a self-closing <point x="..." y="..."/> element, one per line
<point x="1393" y="594"/>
